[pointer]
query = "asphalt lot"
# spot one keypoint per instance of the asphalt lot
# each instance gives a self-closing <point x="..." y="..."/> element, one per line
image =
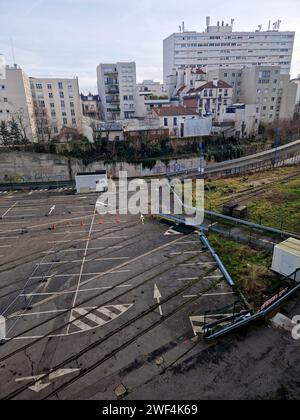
<point x="93" y="302"/>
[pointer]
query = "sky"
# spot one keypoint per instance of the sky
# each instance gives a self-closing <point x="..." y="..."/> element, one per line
<point x="67" y="38"/>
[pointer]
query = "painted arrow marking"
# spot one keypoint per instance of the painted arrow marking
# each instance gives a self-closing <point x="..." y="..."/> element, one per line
<point x="52" y="210"/>
<point x="158" y="296"/>
<point x="172" y="231"/>
<point x="39" y="385"/>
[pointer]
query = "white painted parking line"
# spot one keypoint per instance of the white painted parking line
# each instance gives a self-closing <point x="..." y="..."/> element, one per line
<point x="76" y="275"/>
<point x="5" y="246"/>
<point x="69" y="232"/>
<point x="82" y="268"/>
<point x="86" y="260"/>
<point x="9" y="237"/>
<point x="208" y="295"/>
<point x="188" y="242"/>
<point x="189" y="279"/>
<point x="7" y="211"/>
<point x="186" y="253"/>
<point x="23" y="216"/>
<point x="195" y="264"/>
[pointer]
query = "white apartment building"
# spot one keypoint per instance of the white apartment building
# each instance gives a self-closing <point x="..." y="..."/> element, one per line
<point x="183" y="79"/>
<point x="271" y="91"/>
<point x="117" y="89"/>
<point x="16" y="101"/>
<point x="2" y="66"/>
<point x="57" y="105"/>
<point x="221" y="46"/>
<point x="210" y="98"/>
<point x="246" y="119"/>
<point x="150" y="87"/>
<point x="297" y="81"/>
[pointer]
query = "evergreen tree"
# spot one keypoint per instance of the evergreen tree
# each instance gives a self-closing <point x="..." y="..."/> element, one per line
<point x="15" y="132"/>
<point x="5" y="137"/>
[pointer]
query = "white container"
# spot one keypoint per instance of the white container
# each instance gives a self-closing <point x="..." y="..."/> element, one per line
<point x="286" y="258"/>
<point x="91" y="182"/>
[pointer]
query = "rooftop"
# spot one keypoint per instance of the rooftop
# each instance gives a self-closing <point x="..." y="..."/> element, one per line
<point x="292" y="246"/>
<point x="174" y="111"/>
<point x="220" y="84"/>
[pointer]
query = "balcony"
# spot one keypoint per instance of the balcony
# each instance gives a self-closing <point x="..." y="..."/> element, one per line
<point x="112" y="91"/>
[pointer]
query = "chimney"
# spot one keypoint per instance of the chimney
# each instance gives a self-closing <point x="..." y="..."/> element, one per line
<point x="215" y="82"/>
<point x="207" y="21"/>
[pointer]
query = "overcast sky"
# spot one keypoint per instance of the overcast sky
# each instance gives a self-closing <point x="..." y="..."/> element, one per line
<point x="71" y="37"/>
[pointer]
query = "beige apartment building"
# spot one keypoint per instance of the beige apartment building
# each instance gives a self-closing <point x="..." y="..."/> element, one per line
<point x="16" y="101"/>
<point x="57" y="105"/>
<point x="272" y="91"/>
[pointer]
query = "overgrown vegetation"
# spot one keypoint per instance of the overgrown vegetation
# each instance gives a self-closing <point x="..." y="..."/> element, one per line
<point x="248" y="267"/>
<point x="278" y="206"/>
<point x="11" y="134"/>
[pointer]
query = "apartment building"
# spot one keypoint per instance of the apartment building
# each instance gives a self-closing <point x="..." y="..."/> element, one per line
<point x="231" y="76"/>
<point x="117" y="89"/>
<point x="57" y="105"/>
<point x="150" y="87"/>
<point x="210" y="98"/>
<point x="273" y="92"/>
<point x="16" y="101"/>
<point x="183" y="79"/>
<point x="91" y="106"/>
<point x="220" y="46"/>
<point x="2" y="66"/>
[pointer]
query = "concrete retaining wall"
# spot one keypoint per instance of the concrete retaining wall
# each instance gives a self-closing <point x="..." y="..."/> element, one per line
<point x="33" y="167"/>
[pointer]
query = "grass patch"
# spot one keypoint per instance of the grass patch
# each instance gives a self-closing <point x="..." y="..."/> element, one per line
<point x="250" y="268"/>
<point x="277" y="207"/>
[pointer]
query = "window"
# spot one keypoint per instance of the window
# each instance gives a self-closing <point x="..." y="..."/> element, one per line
<point x="2" y="87"/>
<point x="53" y="114"/>
<point x="175" y="121"/>
<point x="60" y="85"/>
<point x="63" y="105"/>
<point x="73" y="112"/>
<point x="125" y="97"/>
<point x="72" y="104"/>
<point x="50" y="95"/>
<point x="52" y="105"/>
<point x="74" y="121"/>
<point x="70" y="87"/>
<point x="65" y="121"/>
<point x="49" y="87"/>
<point x="55" y="129"/>
<point x="39" y="86"/>
<point x="64" y="114"/>
<point x="166" y="122"/>
<point x="5" y="100"/>
<point x="61" y="94"/>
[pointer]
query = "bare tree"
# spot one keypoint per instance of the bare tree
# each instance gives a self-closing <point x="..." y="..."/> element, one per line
<point x="45" y="125"/>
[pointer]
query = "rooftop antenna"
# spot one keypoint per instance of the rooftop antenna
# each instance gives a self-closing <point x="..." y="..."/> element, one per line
<point x="232" y="21"/>
<point x="279" y="23"/>
<point x="183" y="27"/>
<point x="269" y="27"/>
<point x="13" y="51"/>
<point x="260" y="28"/>
<point x="180" y="28"/>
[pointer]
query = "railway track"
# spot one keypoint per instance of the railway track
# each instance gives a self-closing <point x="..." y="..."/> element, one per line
<point x="252" y="192"/>
<point x="118" y="331"/>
